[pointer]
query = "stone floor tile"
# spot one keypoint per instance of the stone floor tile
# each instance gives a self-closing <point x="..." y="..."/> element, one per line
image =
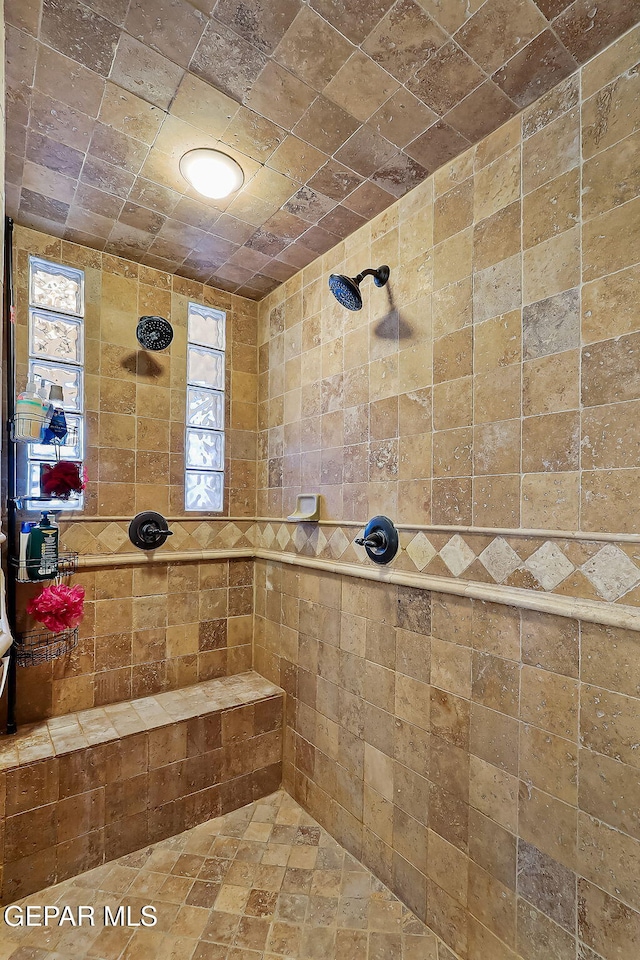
<point x="262" y="883"/>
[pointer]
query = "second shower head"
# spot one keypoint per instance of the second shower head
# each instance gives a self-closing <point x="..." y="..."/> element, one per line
<point x="346" y="290"/>
<point x="154" y="333"/>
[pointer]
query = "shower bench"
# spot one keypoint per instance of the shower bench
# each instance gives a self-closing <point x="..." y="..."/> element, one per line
<point x="92" y="786"/>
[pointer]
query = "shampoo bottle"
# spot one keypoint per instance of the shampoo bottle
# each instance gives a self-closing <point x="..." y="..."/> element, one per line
<point x="42" y="550"/>
<point x="25" y="529"/>
<point x="30" y="414"/>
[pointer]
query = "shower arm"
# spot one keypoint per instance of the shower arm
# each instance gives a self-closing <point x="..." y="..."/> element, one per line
<point x="380" y="276"/>
<point x="369" y="272"/>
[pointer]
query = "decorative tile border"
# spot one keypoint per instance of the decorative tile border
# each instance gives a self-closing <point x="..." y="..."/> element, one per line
<point x="584" y="569"/>
<point x="607" y="572"/>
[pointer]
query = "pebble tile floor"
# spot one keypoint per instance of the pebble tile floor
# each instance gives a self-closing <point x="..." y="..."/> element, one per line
<point x="261" y="883"/>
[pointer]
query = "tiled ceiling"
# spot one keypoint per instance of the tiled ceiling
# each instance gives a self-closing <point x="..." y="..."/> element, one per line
<point x="334" y="108"/>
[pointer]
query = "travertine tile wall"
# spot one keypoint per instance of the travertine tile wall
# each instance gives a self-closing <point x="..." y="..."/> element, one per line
<point x="478" y="758"/>
<point x="145" y="630"/>
<point x="494" y="381"/>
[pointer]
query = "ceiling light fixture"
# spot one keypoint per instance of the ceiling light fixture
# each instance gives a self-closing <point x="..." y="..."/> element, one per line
<point x="211" y="173"/>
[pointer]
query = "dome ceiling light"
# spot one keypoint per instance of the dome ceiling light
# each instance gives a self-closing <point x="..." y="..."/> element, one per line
<point x="211" y="173"/>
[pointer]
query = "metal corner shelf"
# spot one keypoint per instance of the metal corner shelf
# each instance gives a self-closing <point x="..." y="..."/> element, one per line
<point x="41" y="646"/>
<point x="66" y="567"/>
<point x="19" y="502"/>
<point x="70" y="438"/>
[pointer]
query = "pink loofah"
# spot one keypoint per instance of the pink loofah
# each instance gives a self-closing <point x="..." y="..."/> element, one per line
<point x="58" y="608"/>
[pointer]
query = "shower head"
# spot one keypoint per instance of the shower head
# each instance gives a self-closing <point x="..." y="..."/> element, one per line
<point x="154" y="333"/>
<point x="346" y="290"/>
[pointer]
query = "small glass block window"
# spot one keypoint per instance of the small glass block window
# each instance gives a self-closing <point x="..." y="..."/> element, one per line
<point x="56" y="356"/>
<point x="204" y="439"/>
<point x="205" y="408"/>
<point x="207" y="326"/>
<point x="56" y="287"/>
<point x="205" y="448"/>
<point x="55" y="337"/>
<point x="68" y="377"/>
<point x="204" y="491"/>
<point x="205" y="368"/>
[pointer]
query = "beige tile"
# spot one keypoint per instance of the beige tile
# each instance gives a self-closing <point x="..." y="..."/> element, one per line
<point x="608" y="858"/>
<point x="550" y="701"/>
<point x="551" y="383"/>
<point x="548" y="824"/>
<point x="452" y="259"/>
<point x="551" y="209"/>
<point x="609" y="242"/>
<point x="552" y="151"/>
<point x="617" y="106"/>
<point x="608" y="658"/>
<point x="608" y="306"/>
<point x="497" y="185"/>
<point x="596" y="927"/>
<point x="550" y="501"/>
<point x="607" y="723"/>
<point x="552" y="266"/>
<point x="497" y="342"/>
<point x="549" y="763"/>
<point x="497" y="237"/>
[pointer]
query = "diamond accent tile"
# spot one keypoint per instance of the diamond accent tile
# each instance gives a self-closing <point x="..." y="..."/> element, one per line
<point x="458" y="555"/>
<point x="79" y="537"/>
<point x="611" y="572"/>
<point x="230" y="535"/>
<point x="317" y="541"/>
<point x="300" y="538"/>
<point x="112" y="537"/>
<point x="500" y="560"/>
<point x="421" y="551"/>
<point x="253" y="534"/>
<point x="338" y="543"/>
<point x="201" y="534"/>
<point x="180" y="536"/>
<point x="283" y="537"/>
<point x="549" y="566"/>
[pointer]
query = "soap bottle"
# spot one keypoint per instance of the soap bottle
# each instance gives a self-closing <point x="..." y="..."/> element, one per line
<point x="25" y="529"/>
<point x="56" y="428"/>
<point x="42" y="550"/>
<point x="30" y="414"/>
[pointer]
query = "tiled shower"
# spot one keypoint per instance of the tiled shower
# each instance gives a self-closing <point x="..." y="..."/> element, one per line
<point x="287" y="749"/>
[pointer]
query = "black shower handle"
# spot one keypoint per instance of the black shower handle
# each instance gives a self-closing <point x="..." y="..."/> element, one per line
<point x="375" y="541"/>
<point x="149" y="530"/>
<point x="153" y="529"/>
<point x="380" y="540"/>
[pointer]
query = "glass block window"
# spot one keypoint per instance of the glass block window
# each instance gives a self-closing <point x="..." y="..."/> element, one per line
<point x="56" y="288"/>
<point x="204" y="439"/>
<point x="56" y="356"/>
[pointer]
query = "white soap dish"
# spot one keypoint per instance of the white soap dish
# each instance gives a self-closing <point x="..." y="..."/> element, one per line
<point x="307" y="507"/>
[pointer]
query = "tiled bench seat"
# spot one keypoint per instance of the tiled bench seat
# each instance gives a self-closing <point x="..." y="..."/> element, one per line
<point x="92" y="786"/>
